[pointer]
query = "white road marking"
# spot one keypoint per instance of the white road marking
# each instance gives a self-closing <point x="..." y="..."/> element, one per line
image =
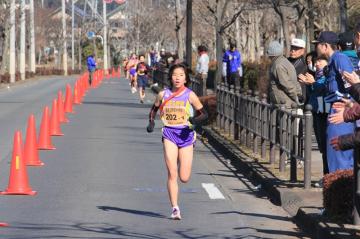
<point x="213" y="191"/>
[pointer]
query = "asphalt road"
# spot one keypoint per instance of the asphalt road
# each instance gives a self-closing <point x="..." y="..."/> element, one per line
<point x="107" y="178"/>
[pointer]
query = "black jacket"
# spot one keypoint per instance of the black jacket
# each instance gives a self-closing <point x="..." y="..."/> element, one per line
<point x="300" y="68"/>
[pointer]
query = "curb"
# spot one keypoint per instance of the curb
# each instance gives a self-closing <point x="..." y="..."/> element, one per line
<point x="291" y="200"/>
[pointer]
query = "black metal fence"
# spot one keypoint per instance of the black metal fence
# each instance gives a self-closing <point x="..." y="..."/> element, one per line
<point x="266" y="129"/>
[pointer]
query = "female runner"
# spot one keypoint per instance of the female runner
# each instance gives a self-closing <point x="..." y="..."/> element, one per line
<point x="176" y="106"/>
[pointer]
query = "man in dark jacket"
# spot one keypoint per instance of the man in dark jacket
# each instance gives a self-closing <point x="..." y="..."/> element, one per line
<point x="297" y="58"/>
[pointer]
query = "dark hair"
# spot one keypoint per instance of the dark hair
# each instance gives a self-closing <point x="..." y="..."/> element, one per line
<point x="141" y="56"/>
<point x="232" y="45"/>
<point x="202" y="48"/>
<point x="317" y="58"/>
<point x="186" y="70"/>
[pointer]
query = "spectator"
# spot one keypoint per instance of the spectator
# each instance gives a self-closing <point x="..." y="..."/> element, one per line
<point x="232" y="58"/>
<point x="284" y="87"/>
<point x="91" y="65"/>
<point x="162" y="58"/>
<point x="326" y="46"/>
<point x="347" y="47"/>
<point x="152" y="56"/>
<point x="310" y="61"/>
<point x="202" y="66"/>
<point x="316" y="92"/>
<point x="297" y="53"/>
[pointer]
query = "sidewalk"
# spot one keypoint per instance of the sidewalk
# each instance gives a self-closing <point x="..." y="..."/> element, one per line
<point x="305" y="206"/>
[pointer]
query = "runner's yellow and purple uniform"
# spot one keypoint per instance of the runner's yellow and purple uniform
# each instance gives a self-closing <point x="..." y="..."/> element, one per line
<point x="175" y="116"/>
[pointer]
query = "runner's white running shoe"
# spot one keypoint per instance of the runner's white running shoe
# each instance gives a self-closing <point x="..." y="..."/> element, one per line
<point x="176" y="213"/>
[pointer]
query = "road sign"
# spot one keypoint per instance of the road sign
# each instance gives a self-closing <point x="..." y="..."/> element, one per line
<point x="90" y="35"/>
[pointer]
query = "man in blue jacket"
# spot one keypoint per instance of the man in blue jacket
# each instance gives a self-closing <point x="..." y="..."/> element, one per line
<point x="91" y="65"/>
<point x="326" y="45"/>
<point x="232" y="58"/>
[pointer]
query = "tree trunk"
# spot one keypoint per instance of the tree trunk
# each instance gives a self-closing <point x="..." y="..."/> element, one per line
<point x="311" y="20"/>
<point x="6" y="48"/>
<point x="179" y="37"/>
<point x="258" y="16"/>
<point x="285" y="27"/>
<point x="343" y="15"/>
<point x="219" y="53"/>
<point x="22" y="41"/>
<point x="189" y="32"/>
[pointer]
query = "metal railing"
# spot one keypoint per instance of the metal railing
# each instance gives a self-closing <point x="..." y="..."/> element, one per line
<point x="265" y="128"/>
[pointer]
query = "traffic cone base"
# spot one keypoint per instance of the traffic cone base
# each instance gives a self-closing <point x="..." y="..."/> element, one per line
<point x="35" y="164"/>
<point x="46" y="147"/>
<point x="19" y="192"/>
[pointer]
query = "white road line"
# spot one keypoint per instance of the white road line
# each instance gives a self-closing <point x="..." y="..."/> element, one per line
<point x="213" y="191"/>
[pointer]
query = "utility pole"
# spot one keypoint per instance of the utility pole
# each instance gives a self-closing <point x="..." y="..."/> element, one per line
<point x="22" y="40"/>
<point x="72" y="35"/>
<point x="32" y="38"/>
<point x="105" y="38"/>
<point x="189" y="32"/>
<point x="12" y="67"/>
<point x="64" y="38"/>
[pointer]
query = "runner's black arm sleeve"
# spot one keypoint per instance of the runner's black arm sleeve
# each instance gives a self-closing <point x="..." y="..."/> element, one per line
<point x="152" y="114"/>
<point x="200" y="118"/>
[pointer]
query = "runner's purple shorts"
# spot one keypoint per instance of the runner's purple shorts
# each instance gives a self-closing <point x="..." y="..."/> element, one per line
<point x="182" y="137"/>
<point x="132" y="71"/>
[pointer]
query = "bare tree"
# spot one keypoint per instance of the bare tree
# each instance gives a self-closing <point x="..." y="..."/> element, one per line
<point x="179" y="19"/>
<point x="343" y="15"/>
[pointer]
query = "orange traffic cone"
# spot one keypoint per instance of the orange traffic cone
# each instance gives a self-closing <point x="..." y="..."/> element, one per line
<point x="44" y="136"/>
<point x="76" y="95"/>
<point x="68" y="100"/>
<point x="62" y="116"/>
<point x="55" y="129"/>
<point x="18" y="180"/>
<point x="31" y="154"/>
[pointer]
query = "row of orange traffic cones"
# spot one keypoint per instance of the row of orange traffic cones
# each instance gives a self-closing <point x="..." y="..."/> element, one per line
<point x="29" y="155"/>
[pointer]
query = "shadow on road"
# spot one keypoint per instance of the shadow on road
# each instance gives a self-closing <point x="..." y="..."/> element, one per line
<point x="76" y="231"/>
<point x="131" y="211"/>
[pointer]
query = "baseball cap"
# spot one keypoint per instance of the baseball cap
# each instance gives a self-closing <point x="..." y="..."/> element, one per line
<point x="346" y="39"/>
<point x="327" y="37"/>
<point x="298" y="43"/>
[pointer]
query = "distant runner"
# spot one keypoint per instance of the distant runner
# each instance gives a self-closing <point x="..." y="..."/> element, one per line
<point x="131" y="69"/>
<point x="141" y="77"/>
<point x="176" y="111"/>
